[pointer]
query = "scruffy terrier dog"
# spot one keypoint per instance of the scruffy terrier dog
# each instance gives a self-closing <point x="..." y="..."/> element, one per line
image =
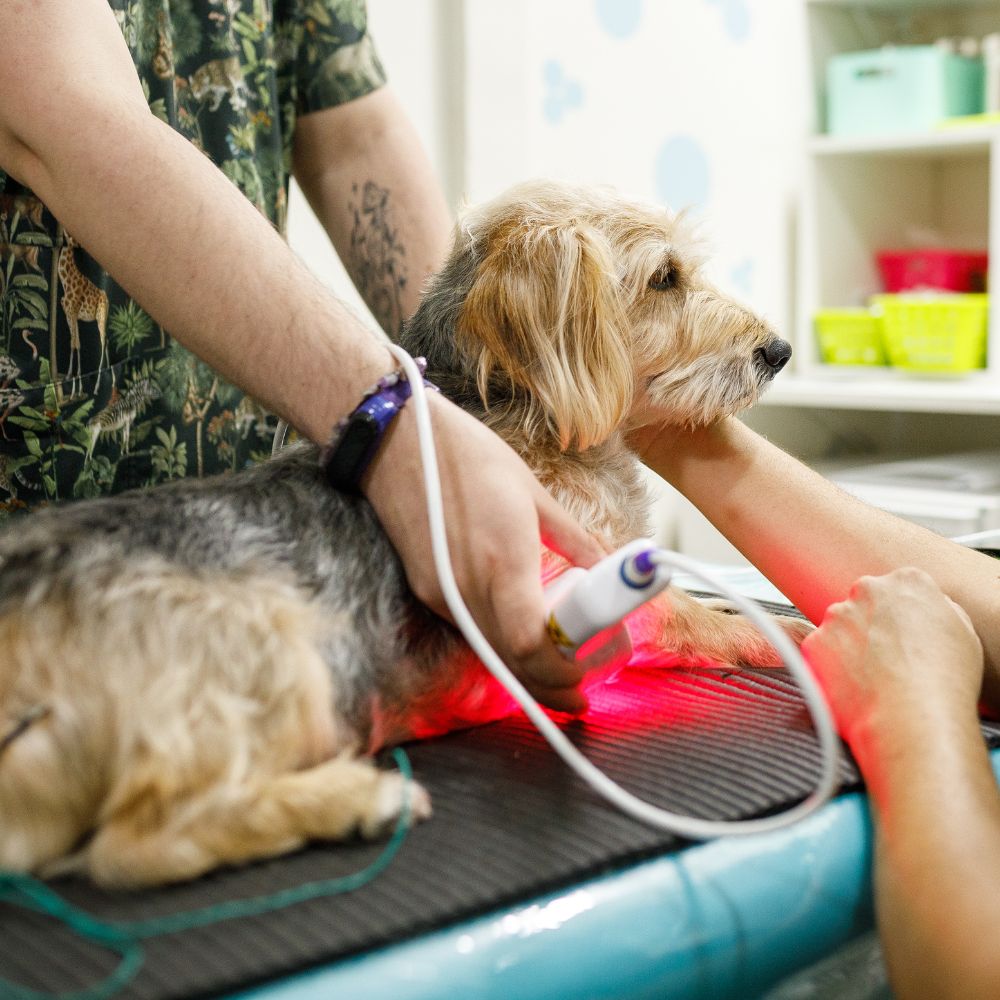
<point x="191" y="674"/>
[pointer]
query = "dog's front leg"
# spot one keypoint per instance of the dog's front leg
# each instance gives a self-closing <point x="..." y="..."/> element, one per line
<point x="682" y="629"/>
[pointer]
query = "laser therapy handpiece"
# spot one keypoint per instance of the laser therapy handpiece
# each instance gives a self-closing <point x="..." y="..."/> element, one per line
<point x="585" y="603"/>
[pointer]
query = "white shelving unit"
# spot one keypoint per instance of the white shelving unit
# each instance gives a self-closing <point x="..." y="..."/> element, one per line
<point x="863" y="194"/>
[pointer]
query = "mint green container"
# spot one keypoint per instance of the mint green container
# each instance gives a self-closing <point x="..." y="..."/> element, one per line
<point x="906" y="88"/>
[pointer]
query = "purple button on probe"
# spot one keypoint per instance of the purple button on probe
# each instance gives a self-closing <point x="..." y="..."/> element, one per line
<point x="639" y="571"/>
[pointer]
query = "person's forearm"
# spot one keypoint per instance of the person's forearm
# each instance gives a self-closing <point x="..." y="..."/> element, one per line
<point x="937" y="819"/>
<point x="366" y="176"/>
<point x="183" y="241"/>
<point x="171" y="229"/>
<point x="808" y="536"/>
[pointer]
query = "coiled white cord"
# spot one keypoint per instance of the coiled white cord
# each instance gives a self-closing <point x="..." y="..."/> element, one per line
<point x="685" y="826"/>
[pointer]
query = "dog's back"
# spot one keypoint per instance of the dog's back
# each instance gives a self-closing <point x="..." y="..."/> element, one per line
<point x="278" y="519"/>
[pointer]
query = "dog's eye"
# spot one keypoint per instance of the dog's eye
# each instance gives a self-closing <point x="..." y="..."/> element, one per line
<point x="664" y="278"/>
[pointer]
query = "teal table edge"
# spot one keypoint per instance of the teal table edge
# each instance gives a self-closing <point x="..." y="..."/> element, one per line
<point x="716" y="920"/>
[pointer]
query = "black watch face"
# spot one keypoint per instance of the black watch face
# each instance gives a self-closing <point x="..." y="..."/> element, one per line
<point x="361" y="434"/>
<point x="347" y="462"/>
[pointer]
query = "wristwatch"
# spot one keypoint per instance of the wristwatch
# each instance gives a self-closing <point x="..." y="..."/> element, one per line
<point x="357" y="437"/>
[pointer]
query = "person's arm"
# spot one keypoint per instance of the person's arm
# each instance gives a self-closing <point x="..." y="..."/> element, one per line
<point x="809" y="537"/>
<point x="901" y="667"/>
<point x="183" y="241"/>
<point x="175" y="233"/>
<point x="364" y="172"/>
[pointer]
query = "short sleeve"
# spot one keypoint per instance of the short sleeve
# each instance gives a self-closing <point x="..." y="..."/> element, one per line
<point x="336" y="59"/>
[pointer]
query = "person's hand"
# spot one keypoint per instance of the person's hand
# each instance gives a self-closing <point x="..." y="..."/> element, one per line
<point x="897" y="651"/>
<point x="497" y="515"/>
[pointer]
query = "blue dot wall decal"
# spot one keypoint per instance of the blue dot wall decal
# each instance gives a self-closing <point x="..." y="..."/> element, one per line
<point x="682" y="173"/>
<point x="735" y="17"/>
<point x="561" y="93"/>
<point x="742" y="276"/>
<point x="619" y="18"/>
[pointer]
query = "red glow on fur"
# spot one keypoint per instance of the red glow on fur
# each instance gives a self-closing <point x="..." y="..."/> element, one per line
<point x="650" y="691"/>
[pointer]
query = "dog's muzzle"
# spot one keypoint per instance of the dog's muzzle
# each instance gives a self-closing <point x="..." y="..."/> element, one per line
<point x="774" y="356"/>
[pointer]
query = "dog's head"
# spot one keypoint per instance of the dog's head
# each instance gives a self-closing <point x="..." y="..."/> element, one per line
<point x="578" y="313"/>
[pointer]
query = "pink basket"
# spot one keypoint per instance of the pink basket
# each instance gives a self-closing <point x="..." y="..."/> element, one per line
<point x="947" y="270"/>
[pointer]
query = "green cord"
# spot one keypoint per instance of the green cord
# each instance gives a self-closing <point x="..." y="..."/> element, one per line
<point x="124" y="937"/>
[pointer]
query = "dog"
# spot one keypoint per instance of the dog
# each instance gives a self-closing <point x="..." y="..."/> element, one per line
<point x="195" y="675"/>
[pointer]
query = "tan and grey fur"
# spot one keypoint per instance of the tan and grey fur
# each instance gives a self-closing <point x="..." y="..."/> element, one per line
<point x="206" y="664"/>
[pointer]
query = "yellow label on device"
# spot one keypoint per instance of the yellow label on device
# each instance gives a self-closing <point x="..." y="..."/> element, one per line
<point x="557" y="635"/>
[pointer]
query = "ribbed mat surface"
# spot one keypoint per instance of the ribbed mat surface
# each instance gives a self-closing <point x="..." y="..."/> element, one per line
<point x="510" y="822"/>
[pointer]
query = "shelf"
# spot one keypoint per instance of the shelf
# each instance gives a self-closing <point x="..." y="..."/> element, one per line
<point x="884" y="389"/>
<point x="905" y="5"/>
<point x="865" y="193"/>
<point x="955" y="141"/>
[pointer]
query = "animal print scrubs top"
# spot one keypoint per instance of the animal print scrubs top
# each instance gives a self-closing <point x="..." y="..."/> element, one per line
<point x="95" y="397"/>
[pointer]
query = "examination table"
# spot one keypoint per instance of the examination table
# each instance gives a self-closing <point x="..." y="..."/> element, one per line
<point x="523" y="884"/>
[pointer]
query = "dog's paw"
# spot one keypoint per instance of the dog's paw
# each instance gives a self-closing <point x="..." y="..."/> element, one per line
<point x="735" y="640"/>
<point x="387" y="804"/>
<point x="795" y="628"/>
<point x="76" y="863"/>
<point x="752" y="648"/>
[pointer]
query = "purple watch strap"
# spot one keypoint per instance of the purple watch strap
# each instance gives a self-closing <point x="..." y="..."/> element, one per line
<point x="357" y="437"/>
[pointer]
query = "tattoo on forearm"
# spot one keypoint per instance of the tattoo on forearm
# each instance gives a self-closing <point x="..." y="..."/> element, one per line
<point x="376" y="263"/>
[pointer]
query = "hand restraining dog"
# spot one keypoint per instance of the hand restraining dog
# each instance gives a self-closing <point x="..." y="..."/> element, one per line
<point x="190" y="674"/>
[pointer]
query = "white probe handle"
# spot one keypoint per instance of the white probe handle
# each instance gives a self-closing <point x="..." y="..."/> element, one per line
<point x="585" y="602"/>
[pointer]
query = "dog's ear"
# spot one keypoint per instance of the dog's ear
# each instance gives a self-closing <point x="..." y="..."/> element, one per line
<point x="545" y="312"/>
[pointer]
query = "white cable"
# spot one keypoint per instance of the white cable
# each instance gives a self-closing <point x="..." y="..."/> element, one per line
<point x="686" y="826"/>
<point x="280" y="434"/>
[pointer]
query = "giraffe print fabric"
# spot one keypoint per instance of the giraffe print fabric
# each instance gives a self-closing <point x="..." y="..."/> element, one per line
<point x="95" y="397"/>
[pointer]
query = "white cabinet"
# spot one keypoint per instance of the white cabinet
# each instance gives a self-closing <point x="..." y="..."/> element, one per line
<point x="865" y="194"/>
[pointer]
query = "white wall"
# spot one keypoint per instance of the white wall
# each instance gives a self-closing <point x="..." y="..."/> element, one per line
<point x="698" y="104"/>
<point x="694" y="103"/>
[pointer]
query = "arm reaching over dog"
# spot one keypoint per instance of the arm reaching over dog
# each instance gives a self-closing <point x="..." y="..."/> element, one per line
<point x="809" y="537"/>
<point x="902" y="667"/>
<point x="169" y="225"/>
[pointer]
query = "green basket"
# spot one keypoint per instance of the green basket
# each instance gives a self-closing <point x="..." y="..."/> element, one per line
<point x="941" y="333"/>
<point x="850" y="337"/>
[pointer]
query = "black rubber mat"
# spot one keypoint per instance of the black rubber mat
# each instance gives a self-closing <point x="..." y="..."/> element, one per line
<point x="510" y="822"/>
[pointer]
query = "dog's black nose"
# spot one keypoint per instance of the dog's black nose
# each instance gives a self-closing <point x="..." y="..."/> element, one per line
<point x="775" y="355"/>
